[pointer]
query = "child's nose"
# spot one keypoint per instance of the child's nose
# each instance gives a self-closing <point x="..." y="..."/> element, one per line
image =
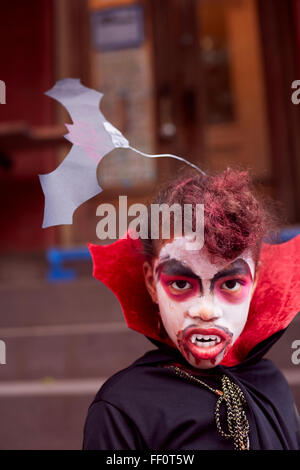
<point x="205" y="311"/>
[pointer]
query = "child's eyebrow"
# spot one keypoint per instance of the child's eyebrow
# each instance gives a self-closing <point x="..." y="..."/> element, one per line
<point x="239" y="266"/>
<point x="174" y="267"/>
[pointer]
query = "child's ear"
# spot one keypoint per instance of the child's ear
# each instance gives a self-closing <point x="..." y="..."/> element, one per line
<point x="150" y="281"/>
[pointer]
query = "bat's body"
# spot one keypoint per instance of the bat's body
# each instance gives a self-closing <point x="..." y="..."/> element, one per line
<point x="75" y="179"/>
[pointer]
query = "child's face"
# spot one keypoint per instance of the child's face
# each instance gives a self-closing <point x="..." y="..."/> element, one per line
<point x="203" y="305"/>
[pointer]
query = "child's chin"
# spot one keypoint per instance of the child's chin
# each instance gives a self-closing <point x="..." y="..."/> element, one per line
<point x="201" y="363"/>
<point x="205" y="363"/>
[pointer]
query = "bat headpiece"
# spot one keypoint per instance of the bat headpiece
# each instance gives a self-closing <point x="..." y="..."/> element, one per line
<point x="74" y="181"/>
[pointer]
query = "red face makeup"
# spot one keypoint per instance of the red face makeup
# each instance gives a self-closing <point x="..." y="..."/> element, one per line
<point x="179" y="288"/>
<point x="203" y="344"/>
<point x="234" y="289"/>
<point x="203" y="305"/>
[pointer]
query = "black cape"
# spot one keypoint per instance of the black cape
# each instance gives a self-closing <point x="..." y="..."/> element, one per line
<point x="146" y="406"/>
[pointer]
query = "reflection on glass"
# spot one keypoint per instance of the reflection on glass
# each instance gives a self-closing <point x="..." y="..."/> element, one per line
<point x="215" y="62"/>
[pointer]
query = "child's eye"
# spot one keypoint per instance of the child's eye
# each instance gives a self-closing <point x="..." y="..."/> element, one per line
<point x="232" y="285"/>
<point x="181" y="285"/>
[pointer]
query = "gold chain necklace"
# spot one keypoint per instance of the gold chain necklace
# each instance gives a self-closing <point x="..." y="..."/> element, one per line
<point x="233" y="397"/>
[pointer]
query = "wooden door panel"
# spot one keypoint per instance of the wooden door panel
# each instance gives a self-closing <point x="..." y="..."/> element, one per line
<point x="27" y="67"/>
<point x="244" y="140"/>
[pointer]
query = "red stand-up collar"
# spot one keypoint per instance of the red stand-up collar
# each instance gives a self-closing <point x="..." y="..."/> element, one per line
<point x="274" y="304"/>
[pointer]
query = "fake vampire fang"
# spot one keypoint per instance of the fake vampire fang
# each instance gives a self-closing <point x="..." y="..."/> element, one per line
<point x="206" y="343"/>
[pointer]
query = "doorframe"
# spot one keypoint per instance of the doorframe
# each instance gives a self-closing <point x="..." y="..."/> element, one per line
<point x="279" y="46"/>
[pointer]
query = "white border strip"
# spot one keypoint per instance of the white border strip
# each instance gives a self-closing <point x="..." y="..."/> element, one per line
<point x="57" y="387"/>
<point x="59" y="330"/>
<point x="87" y="386"/>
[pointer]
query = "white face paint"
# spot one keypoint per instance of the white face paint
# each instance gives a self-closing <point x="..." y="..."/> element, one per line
<point x="203" y="305"/>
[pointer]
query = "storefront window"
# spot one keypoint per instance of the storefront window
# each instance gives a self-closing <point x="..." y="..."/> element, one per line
<point x="218" y="99"/>
<point x="121" y="70"/>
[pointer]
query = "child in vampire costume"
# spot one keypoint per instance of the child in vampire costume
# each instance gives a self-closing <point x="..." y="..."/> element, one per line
<point x="212" y="312"/>
<point x="212" y="315"/>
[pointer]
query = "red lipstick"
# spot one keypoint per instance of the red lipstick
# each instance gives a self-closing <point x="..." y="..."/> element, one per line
<point x="195" y="341"/>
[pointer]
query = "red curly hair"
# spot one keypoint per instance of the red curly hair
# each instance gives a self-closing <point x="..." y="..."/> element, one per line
<point x="235" y="217"/>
